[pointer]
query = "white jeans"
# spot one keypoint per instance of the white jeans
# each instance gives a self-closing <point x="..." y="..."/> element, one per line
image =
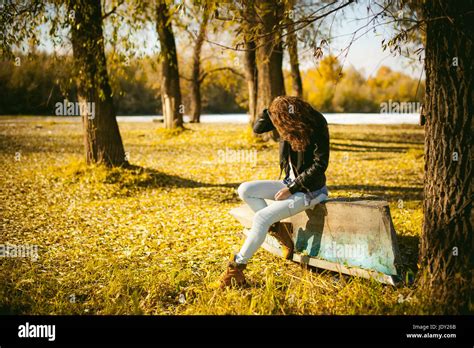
<point x="254" y="194"/>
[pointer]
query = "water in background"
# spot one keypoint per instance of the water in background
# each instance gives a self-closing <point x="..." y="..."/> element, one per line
<point x="331" y="118"/>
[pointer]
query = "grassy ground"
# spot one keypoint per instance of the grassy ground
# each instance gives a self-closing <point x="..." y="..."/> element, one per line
<point x="152" y="240"/>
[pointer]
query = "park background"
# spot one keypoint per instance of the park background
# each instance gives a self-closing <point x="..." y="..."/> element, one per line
<point x="152" y="237"/>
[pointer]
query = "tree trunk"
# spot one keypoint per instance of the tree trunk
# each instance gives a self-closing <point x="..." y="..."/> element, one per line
<point x="269" y="55"/>
<point x="102" y="140"/>
<point x="170" y="89"/>
<point x="196" y="73"/>
<point x="250" y="64"/>
<point x="292" y="44"/>
<point x="251" y="76"/>
<point x="446" y="253"/>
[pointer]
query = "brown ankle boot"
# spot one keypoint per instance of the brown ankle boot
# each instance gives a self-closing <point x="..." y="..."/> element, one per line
<point x="234" y="275"/>
<point x="282" y="233"/>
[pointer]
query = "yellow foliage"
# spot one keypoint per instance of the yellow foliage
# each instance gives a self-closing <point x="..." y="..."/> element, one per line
<point x="330" y="91"/>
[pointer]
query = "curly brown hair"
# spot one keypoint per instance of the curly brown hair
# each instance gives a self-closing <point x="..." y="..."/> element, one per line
<point x="293" y="118"/>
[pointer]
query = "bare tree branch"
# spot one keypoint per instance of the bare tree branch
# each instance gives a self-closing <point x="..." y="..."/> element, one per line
<point x="232" y="70"/>
<point x="305" y="22"/>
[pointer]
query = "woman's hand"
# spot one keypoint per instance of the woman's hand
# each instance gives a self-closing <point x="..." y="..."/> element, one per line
<point x="283" y="194"/>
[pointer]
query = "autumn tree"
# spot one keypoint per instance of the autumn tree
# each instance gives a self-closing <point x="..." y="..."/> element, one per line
<point x="170" y="87"/>
<point x="263" y="26"/>
<point x="83" y="21"/>
<point x="446" y="260"/>
<point x="446" y="254"/>
<point x="250" y="59"/>
<point x="260" y="39"/>
<point x="269" y="52"/>
<point x="261" y="42"/>
<point x="102" y="140"/>
<point x="196" y="104"/>
<point x="323" y="80"/>
<point x="292" y="48"/>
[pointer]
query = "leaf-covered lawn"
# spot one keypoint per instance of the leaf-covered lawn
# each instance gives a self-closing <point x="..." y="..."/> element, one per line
<point x="152" y="240"/>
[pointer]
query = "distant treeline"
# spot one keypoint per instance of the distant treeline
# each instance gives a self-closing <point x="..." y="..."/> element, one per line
<point x="33" y="84"/>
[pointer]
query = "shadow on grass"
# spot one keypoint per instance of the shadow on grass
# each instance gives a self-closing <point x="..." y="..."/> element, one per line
<point x="385" y="192"/>
<point x="24" y="307"/>
<point x="150" y="178"/>
<point x="392" y="140"/>
<point x="409" y="248"/>
<point x="366" y="148"/>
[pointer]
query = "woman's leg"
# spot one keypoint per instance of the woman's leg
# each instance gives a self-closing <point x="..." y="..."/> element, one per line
<point x="255" y="192"/>
<point x="264" y="218"/>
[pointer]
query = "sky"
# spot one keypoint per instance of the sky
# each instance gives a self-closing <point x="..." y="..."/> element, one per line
<point x="367" y="53"/>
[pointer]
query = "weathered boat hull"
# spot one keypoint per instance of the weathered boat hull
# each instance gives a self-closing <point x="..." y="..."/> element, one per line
<point x="350" y="236"/>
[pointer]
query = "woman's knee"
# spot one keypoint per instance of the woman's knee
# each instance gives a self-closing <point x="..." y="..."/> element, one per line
<point x="244" y="189"/>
